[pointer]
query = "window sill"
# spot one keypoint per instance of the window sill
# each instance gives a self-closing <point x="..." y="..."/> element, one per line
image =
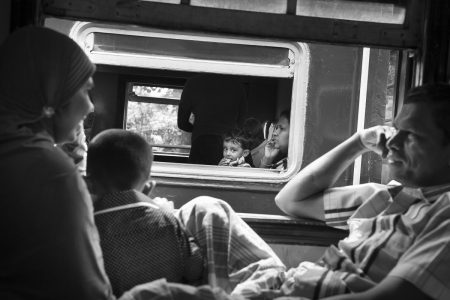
<point x="277" y="229"/>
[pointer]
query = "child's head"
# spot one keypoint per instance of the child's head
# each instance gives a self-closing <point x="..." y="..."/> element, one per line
<point x="253" y="128"/>
<point x="118" y="160"/>
<point x="235" y="145"/>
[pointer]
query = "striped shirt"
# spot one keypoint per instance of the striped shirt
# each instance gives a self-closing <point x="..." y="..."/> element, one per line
<point x="393" y="231"/>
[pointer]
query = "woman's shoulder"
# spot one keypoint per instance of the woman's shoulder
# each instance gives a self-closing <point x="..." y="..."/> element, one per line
<point x="54" y="160"/>
<point x="37" y="156"/>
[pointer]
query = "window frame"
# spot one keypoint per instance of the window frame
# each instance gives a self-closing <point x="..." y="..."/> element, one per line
<point x="298" y="70"/>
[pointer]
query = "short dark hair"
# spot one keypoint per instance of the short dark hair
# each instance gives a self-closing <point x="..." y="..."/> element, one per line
<point x="118" y="158"/>
<point x="437" y="95"/>
<point x="285" y="114"/>
<point x="238" y="136"/>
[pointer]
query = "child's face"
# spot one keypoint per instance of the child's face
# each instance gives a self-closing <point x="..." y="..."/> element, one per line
<point x="232" y="150"/>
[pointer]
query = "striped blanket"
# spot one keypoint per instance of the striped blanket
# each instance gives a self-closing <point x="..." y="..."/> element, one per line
<point x="238" y="260"/>
<point x="239" y="263"/>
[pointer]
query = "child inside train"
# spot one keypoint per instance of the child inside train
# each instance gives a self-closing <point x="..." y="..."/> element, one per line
<point x="236" y="150"/>
<point x="141" y="240"/>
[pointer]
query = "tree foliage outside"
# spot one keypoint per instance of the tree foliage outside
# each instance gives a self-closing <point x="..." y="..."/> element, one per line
<point x="157" y="91"/>
<point x="157" y="123"/>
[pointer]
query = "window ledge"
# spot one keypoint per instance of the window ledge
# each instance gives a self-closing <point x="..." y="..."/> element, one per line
<point x="277" y="229"/>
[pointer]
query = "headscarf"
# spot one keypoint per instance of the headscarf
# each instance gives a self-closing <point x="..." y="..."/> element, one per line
<point x="40" y="70"/>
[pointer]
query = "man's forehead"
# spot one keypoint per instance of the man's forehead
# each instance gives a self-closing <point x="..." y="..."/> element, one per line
<point x="416" y="116"/>
<point x="408" y="112"/>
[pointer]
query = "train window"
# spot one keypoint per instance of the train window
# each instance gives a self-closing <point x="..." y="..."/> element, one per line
<point x="273" y="72"/>
<point x="332" y="91"/>
<point x="267" y="6"/>
<point x="151" y="111"/>
<point x="389" y="12"/>
<point x="370" y="11"/>
<point x="183" y="50"/>
<point x="166" y="1"/>
<point x="154" y="49"/>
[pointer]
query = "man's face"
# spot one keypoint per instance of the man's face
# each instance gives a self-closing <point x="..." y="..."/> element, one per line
<point x="418" y="156"/>
<point x="232" y="150"/>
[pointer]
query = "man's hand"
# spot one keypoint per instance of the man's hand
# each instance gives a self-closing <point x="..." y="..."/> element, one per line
<point x="375" y="138"/>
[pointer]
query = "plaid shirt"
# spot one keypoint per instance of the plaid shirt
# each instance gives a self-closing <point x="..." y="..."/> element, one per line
<point x="393" y="231"/>
<point x="141" y="243"/>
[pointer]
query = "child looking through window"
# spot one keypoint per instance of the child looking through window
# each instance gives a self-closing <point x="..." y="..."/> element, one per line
<point x="236" y="150"/>
<point x="140" y="239"/>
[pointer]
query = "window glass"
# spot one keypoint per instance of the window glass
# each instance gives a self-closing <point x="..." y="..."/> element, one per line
<point x="267" y="6"/>
<point x="164" y="1"/>
<point x="157" y="91"/>
<point x="389" y="13"/>
<point x="190" y="49"/>
<point x="157" y="122"/>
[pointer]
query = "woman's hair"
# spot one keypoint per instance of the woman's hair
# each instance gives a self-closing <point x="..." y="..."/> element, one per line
<point x="285" y="114"/>
<point x="253" y="129"/>
<point x="40" y="70"/>
<point x="118" y="158"/>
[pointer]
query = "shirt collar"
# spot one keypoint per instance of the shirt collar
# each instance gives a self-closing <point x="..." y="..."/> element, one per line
<point x="432" y="193"/>
<point x="114" y="199"/>
<point x="429" y="194"/>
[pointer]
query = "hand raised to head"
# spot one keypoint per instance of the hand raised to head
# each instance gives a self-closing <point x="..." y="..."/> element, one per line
<point x="375" y="138"/>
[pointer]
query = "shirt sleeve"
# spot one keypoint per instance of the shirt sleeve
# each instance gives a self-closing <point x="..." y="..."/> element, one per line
<point x="426" y="264"/>
<point x="341" y="203"/>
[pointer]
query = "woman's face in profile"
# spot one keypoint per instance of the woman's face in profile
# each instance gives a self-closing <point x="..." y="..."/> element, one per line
<point x="69" y="116"/>
<point x="281" y="135"/>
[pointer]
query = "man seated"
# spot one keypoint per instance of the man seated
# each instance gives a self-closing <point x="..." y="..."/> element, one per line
<point x="399" y="235"/>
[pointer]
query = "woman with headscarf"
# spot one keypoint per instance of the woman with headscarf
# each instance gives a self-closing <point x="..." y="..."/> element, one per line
<point x="50" y="247"/>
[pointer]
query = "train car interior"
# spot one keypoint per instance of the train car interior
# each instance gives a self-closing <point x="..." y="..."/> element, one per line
<point x="339" y="66"/>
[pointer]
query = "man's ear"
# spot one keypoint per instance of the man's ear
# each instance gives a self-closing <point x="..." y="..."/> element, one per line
<point x="245" y="153"/>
